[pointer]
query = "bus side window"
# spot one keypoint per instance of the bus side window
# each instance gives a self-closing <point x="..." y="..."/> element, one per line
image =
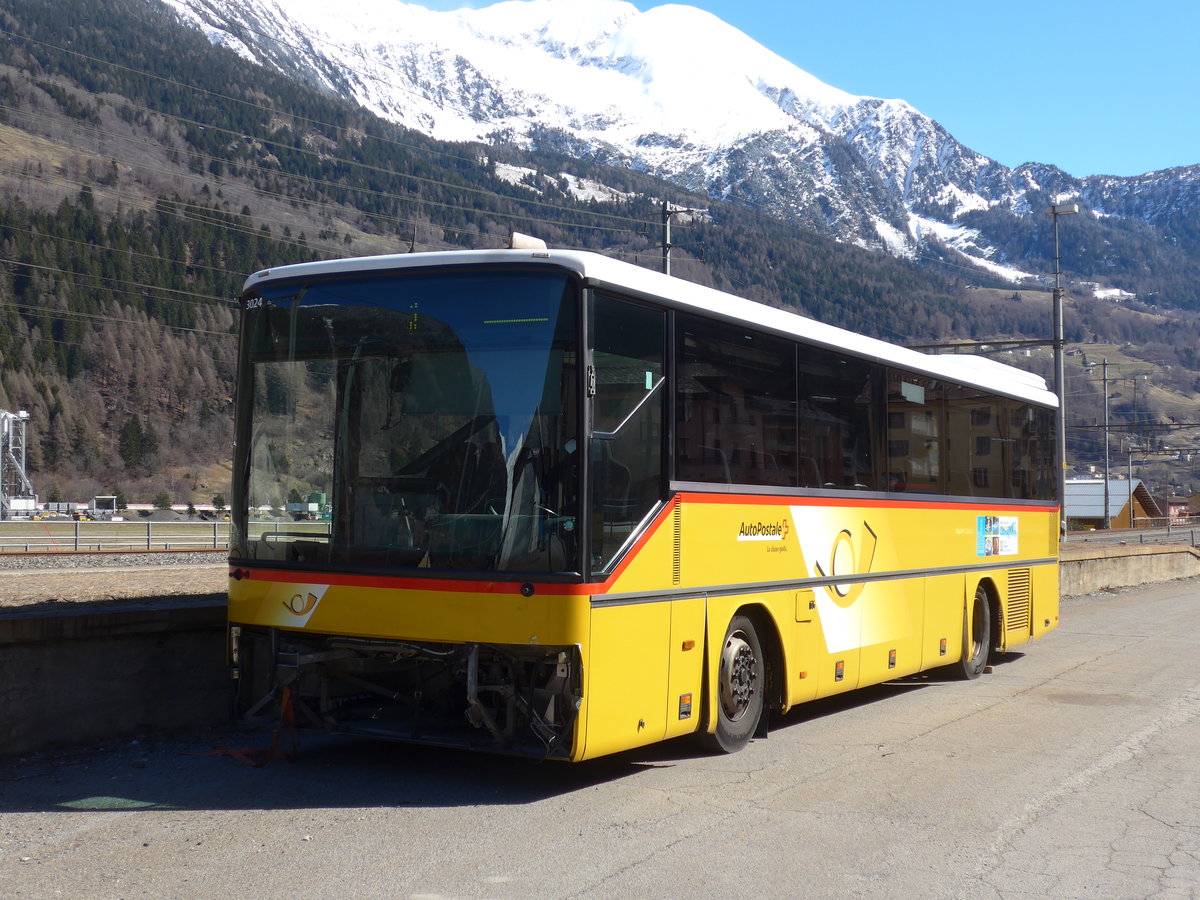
<point x="629" y="356"/>
<point x="735" y="399"/>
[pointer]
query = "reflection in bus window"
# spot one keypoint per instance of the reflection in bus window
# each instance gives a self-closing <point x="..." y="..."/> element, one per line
<point x="627" y="421"/>
<point x="437" y="414"/>
<point x="735" y="405"/>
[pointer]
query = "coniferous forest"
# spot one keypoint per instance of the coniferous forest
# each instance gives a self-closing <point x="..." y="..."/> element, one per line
<point x="145" y="174"/>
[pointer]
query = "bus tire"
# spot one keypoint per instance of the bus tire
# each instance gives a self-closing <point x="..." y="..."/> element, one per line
<point x="741" y="681"/>
<point x="977" y="635"/>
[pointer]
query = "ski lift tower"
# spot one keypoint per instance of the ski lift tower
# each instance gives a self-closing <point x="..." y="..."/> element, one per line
<point x="17" y="499"/>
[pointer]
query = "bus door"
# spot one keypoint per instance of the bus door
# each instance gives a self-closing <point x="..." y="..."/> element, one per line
<point x="629" y="656"/>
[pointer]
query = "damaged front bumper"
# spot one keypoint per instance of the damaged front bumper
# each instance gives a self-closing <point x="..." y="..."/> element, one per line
<point x="516" y="699"/>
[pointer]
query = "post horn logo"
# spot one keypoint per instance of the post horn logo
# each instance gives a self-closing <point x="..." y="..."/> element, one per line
<point x="299" y="605"/>
<point x="844" y="561"/>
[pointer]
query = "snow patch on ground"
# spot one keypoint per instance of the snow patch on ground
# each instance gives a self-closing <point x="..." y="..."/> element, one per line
<point x="586" y="189"/>
<point x="897" y="242"/>
<point x="963" y="239"/>
<point x="514" y="174"/>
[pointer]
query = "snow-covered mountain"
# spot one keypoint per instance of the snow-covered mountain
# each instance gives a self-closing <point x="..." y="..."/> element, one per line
<point x="675" y="92"/>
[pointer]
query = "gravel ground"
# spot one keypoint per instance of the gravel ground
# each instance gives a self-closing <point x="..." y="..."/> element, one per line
<point x="111" y="560"/>
<point x="50" y="580"/>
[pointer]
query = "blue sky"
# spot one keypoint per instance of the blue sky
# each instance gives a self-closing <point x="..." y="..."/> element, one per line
<point x="1095" y="88"/>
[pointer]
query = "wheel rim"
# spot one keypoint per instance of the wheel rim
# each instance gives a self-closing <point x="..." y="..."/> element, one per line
<point x="739" y="672"/>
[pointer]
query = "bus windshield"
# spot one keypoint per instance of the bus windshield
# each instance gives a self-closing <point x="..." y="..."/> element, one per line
<point x="424" y="420"/>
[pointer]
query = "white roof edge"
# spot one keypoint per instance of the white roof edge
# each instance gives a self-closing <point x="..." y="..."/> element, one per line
<point x="972" y="370"/>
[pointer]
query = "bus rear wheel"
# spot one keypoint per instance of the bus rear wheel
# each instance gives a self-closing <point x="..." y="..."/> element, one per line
<point x="741" y="680"/>
<point x="977" y="634"/>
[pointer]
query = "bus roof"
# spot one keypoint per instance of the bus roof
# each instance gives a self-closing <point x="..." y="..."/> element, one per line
<point x="602" y="271"/>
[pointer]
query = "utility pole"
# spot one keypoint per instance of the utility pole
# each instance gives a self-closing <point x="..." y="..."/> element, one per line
<point x="1060" y="387"/>
<point x="1131" y="484"/>
<point x="669" y="211"/>
<point x="1107" y="511"/>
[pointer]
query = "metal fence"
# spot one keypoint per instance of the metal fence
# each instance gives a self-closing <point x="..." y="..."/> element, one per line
<point x="1176" y="523"/>
<point x="25" y="536"/>
<point x="1163" y="533"/>
<point x="79" y="537"/>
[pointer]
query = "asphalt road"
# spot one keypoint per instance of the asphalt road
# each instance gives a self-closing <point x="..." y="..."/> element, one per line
<point x="1071" y="770"/>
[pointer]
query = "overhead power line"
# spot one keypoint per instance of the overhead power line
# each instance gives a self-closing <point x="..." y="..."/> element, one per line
<point x="106" y="319"/>
<point x="139" y="201"/>
<point x="316" y="184"/>
<point x="629" y="223"/>
<point x="624" y="220"/>
<point x="188" y="296"/>
<point x="59" y="239"/>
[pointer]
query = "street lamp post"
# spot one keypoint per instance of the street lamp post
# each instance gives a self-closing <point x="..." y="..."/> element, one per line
<point x="1060" y="388"/>
<point x="1107" y="463"/>
<point x="1131" y="485"/>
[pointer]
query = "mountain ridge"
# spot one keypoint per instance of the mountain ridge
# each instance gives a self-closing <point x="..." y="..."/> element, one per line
<point x="710" y="110"/>
<point x="146" y="172"/>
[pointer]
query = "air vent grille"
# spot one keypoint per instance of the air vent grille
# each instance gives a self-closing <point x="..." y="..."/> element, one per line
<point x="1020" y="606"/>
<point x="677" y="526"/>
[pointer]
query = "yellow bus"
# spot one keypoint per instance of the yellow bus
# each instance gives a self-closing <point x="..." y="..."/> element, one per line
<point x="560" y="506"/>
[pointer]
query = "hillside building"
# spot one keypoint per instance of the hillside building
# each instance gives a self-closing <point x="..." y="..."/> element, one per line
<point x="1130" y="504"/>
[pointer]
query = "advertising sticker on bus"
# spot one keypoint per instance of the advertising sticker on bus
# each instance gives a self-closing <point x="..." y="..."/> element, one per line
<point x="996" y="536"/>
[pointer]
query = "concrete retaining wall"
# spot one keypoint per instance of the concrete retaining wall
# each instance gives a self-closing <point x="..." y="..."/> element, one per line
<point x="1085" y="570"/>
<point x="113" y="672"/>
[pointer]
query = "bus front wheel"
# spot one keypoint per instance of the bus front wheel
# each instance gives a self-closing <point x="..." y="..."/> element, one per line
<point x="977" y="634"/>
<point x="741" y="680"/>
